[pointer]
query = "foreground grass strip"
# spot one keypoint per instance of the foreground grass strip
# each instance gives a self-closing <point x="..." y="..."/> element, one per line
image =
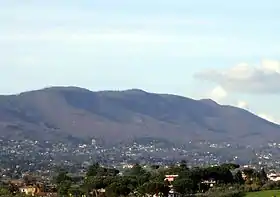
<point x="269" y="193"/>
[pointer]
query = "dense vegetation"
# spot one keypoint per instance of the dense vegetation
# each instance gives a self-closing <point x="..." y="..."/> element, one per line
<point x="225" y="180"/>
<point x="139" y="181"/>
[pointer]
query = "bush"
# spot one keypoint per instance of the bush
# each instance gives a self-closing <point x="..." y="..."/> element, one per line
<point x="235" y="193"/>
<point x="225" y="191"/>
<point x="252" y="188"/>
<point x="269" y="186"/>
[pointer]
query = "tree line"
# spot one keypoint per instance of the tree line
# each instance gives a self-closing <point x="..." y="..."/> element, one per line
<point x="139" y="181"/>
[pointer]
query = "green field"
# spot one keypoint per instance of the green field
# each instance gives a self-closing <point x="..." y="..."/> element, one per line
<point x="269" y="193"/>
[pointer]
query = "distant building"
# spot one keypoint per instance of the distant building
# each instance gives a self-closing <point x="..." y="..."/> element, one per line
<point x="17" y="182"/>
<point x="170" y="178"/>
<point x="273" y="177"/>
<point x="173" y="193"/>
<point x="129" y="166"/>
<point x="29" y="190"/>
<point x="244" y="176"/>
<point x="210" y="183"/>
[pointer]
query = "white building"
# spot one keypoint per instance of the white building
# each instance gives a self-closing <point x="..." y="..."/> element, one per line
<point x="273" y="177"/>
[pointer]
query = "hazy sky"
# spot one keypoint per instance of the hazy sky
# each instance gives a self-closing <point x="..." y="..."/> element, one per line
<point x="226" y="50"/>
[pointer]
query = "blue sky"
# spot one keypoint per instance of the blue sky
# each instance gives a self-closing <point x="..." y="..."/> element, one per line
<point x="228" y="51"/>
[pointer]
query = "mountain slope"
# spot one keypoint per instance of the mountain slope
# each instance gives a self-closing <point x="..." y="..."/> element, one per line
<point x="62" y="112"/>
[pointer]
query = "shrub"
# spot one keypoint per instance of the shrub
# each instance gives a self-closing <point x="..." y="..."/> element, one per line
<point x="269" y="186"/>
<point x="225" y="191"/>
<point x="235" y="193"/>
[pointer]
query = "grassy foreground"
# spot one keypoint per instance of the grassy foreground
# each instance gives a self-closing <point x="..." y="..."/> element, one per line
<point x="268" y="193"/>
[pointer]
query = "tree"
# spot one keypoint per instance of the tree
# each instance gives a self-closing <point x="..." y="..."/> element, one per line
<point x="64" y="187"/>
<point x="93" y="184"/>
<point x="93" y="170"/>
<point x="230" y="166"/>
<point x="4" y="192"/>
<point x="263" y="176"/>
<point x="13" y="188"/>
<point x="224" y="175"/>
<point x="165" y="188"/>
<point x="155" y="167"/>
<point x="184" y="186"/>
<point x="113" y="172"/>
<point x="62" y="177"/>
<point x="150" y="188"/>
<point x="249" y="172"/>
<point x="63" y="182"/>
<point x="136" y="170"/>
<point x="174" y="169"/>
<point x="29" y="180"/>
<point x="238" y="178"/>
<point x="96" y="170"/>
<point x="120" y="188"/>
<point x="218" y="173"/>
<point x="76" y="191"/>
<point x="137" y="175"/>
<point x="196" y="174"/>
<point x="183" y="164"/>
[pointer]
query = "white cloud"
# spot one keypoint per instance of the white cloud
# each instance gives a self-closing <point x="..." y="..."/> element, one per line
<point x="218" y="94"/>
<point x="243" y="104"/>
<point x="268" y="118"/>
<point x="246" y="78"/>
<point x="271" y="65"/>
<point x="104" y="35"/>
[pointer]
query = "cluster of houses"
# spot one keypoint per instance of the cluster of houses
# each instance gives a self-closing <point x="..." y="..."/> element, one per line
<point x="38" y="188"/>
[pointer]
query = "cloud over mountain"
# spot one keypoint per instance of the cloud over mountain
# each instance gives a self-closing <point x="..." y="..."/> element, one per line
<point x="245" y="105"/>
<point x="245" y="78"/>
<point x="218" y="93"/>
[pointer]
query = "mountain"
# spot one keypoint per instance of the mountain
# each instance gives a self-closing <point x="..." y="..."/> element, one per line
<point x="65" y="113"/>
